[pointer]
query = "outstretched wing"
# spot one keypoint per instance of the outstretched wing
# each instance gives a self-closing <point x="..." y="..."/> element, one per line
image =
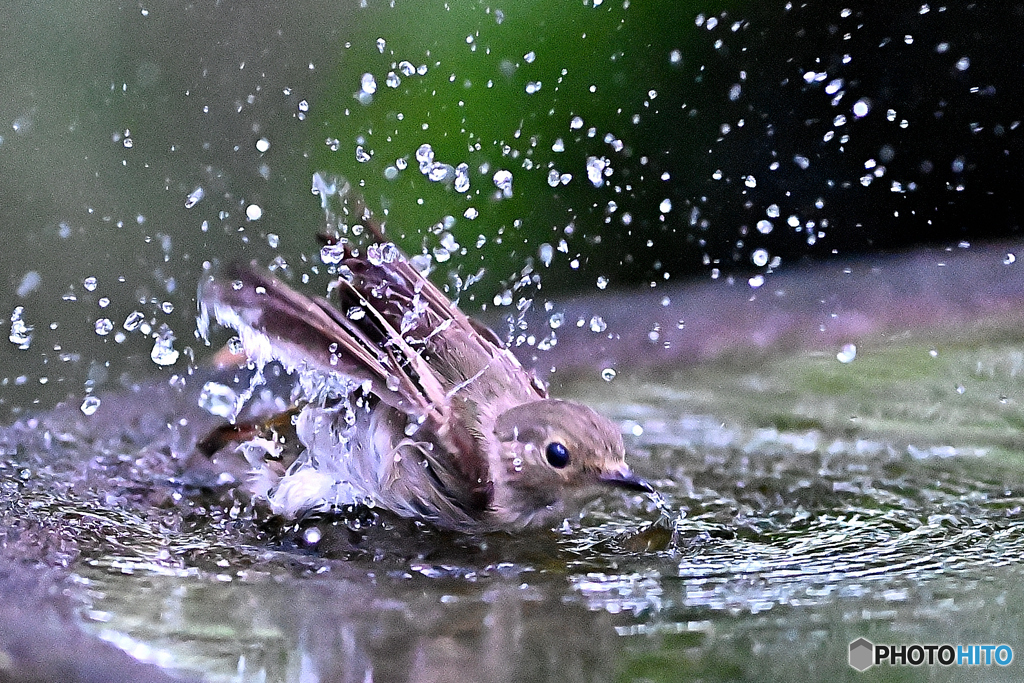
<point x="387" y="294"/>
<point x="276" y="323"/>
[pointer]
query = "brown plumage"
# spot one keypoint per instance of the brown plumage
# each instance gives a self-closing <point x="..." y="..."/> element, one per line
<point x="409" y="404"/>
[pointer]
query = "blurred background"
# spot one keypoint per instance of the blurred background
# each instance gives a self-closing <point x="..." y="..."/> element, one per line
<point x="531" y="150"/>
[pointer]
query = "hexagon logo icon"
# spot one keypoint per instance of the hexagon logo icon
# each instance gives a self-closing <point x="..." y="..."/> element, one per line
<point x="862" y="653"/>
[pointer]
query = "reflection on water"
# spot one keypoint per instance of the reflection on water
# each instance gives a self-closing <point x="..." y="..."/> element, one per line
<point x="782" y="545"/>
<point x="326" y="627"/>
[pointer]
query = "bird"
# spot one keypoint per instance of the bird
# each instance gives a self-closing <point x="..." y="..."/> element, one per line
<point x="403" y="402"/>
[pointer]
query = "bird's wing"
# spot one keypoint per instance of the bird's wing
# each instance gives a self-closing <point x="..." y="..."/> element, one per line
<point x="276" y="323"/>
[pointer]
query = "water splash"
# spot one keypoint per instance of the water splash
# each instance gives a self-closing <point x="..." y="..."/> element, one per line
<point x="163" y="352"/>
<point x="21" y="332"/>
<point x="220" y="400"/>
<point x="90" y="404"/>
<point x="194" y="197"/>
<point x="503" y="181"/>
<point x="30" y="282"/>
<point x="133" y="321"/>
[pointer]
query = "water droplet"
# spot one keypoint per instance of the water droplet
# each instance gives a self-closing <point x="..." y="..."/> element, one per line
<point x="596" y="167"/>
<point x="253" y="212"/>
<point x="503" y="298"/>
<point x="90" y="405"/>
<point x="332" y="254"/>
<point x="602" y="282"/>
<point x="21" y="333"/>
<point x="368" y="84"/>
<point x="861" y="107"/>
<point x="665" y="206"/>
<point x="392" y="80"/>
<point x="361" y="155"/>
<point x="576" y="123"/>
<point x="90" y="284"/>
<point x="194" y="198"/>
<point x="471" y="213"/>
<point x="104" y="326"/>
<point x="765" y="226"/>
<point x="356" y="313"/>
<point x="759" y="258"/>
<point x="262" y="145"/>
<point x="424" y="156"/>
<point x="163" y="352"/>
<point x="608" y="374"/>
<point x="847" y="354"/>
<point x="381" y="43"/>
<point x="597" y="324"/>
<point x="273" y="240"/>
<point x="406" y="68"/>
<point x="462" y="178"/>
<point x="132" y="322"/>
<point x="380" y="254"/>
<point x="29" y="283"/>
<point x="963" y="64"/>
<point x="219" y="399"/>
<point x="503" y="181"/>
<point x="533" y="87"/>
<point x="439" y="173"/>
<point x="546" y="253"/>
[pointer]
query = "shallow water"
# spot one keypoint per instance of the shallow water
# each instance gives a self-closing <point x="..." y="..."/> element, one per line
<point x="808" y="503"/>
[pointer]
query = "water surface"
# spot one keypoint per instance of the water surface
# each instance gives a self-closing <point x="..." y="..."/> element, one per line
<point x="809" y="502"/>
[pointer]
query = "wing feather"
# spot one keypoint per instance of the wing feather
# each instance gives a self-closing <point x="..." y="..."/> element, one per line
<point x="275" y="322"/>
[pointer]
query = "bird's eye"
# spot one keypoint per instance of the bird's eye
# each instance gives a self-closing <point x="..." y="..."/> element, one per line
<point x="557" y="455"/>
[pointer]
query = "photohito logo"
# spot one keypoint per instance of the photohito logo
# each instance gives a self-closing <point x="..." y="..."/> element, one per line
<point x="864" y="654"/>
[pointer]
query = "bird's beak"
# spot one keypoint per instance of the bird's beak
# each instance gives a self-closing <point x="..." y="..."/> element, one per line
<point x="625" y="479"/>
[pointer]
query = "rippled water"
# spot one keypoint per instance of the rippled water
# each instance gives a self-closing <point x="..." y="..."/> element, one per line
<point x="807" y="503"/>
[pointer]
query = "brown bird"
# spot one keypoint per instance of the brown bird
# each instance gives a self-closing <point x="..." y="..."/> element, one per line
<point x="406" y="403"/>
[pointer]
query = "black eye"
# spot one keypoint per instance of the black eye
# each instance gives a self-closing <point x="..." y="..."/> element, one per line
<point x="557" y="454"/>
